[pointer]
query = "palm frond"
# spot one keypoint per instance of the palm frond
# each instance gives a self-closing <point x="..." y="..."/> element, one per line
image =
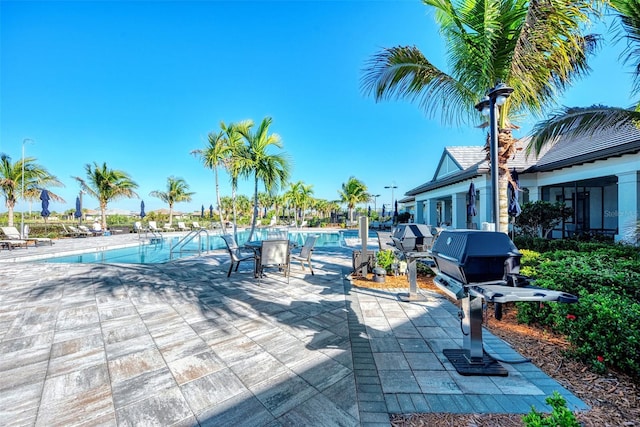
<point x="629" y="17"/>
<point x="577" y="122"/>
<point x="402" y="72"/>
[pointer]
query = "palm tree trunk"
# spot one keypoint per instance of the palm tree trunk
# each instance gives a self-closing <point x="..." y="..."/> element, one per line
<point x="215" y="172"/>
<point x="10" y="208"/>
<point x="170" y="214"/>
<point x="103" y="211"/>
<point x="255" y="209"/>
<point x="234" y="209"/>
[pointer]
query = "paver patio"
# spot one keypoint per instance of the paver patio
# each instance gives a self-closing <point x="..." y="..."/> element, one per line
<point x="181" y="344"/>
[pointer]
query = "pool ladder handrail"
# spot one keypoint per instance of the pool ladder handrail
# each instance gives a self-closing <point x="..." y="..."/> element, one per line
<point x="188" y="238"/>
<point x="156" y="237"/>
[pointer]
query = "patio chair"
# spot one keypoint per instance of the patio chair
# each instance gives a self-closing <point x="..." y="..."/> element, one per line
<point x="274" y="221"/>
<point x="196" y="225"/>
<point x="305" y="252"/>
<point x="168" y="227"/>
<point x="12" y="233"/>
<point x="235" y="253"/>
<point x="275" y="253"/>
<point x="182" y="226"/>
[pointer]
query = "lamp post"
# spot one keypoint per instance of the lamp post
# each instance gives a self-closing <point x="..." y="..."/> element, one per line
<point x="375" y="199"/>
<point x="392" y="187"/>
<point x="488" y="106"/>
<point x="24" y="141"/>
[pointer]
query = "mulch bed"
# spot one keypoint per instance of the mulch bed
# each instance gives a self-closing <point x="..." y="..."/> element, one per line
<point x="614" y="397"/>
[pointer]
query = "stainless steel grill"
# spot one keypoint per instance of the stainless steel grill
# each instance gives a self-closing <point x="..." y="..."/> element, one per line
<point x="412" y="237"/>
<point x="414" y="242"/>
<point x="474" y="266"/>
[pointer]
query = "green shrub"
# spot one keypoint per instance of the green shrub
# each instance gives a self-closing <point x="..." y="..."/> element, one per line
<point x="560" y="416"/>
<point x="385" y="259"/>
<point x="604" y="330"/>
<point x="604" y="325"/>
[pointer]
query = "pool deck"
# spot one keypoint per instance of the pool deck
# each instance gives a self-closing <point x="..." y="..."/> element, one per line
<point x="180" y="344"/>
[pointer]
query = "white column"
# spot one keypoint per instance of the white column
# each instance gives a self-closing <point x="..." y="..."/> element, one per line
<point x="419" y="218"/>
<point x="534" y="193"/>
<point x="459" y="210"/>
<point x="484" y="205"/>
<point x="628" y="204"/>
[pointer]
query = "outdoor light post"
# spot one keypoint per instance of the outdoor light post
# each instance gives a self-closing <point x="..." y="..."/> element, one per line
<point x="375" y="199"/>
<point x="24" y="141"/>
<point x="495" y="97"/>
<point x="392" y="187"/>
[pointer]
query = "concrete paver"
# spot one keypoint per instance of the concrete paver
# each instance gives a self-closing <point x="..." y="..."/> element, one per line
<point x="181" y="344"/>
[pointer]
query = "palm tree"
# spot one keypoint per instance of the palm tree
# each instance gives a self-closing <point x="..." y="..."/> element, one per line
<point x="537" y="48"/>
<point x="176" y="192"/>
<point x="270" y="169"/>
<point x="235" y="163"/>
<point x="353" y="192"/>
<point x="106" y="185"/>
<point x="35" y="178"/>
<point x="577" y="121"/>
<point x="213" y="156"/>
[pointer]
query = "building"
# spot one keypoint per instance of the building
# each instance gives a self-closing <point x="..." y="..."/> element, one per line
<point x="596" y="175"/>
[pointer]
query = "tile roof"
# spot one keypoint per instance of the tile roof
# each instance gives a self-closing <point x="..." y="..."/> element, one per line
<point x="473" y="160"/>
<point x="601" y="145"/>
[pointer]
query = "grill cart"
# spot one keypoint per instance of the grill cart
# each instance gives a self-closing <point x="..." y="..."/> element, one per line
<point x="482" y="265"/>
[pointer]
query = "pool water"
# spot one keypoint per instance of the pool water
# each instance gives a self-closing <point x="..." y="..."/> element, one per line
<point x="161" y="250"/>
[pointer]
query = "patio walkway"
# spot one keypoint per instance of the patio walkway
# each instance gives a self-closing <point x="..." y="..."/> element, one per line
<point x="181" y="344"/>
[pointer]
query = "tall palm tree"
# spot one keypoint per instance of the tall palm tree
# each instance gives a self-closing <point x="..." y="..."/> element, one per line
<point x="236" y="161"/>
<point x="214" y="156"/>
<point x="353" y="192"/>
<point x="576" y="121"/>
<point x="177" y="191"/>
<point x="36" y="177"/>
<point x="106" y="185"/>
<point x="537" y="48"/>
<point x="272" y="169"/>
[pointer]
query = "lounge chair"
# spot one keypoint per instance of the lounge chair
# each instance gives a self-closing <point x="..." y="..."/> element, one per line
<point x="138" y="228"/>
<point x="196" y="225"/>
<point x="12" y="233"/>
<point x="154" y="227"/>
<point x="182" y="226"/>
<point x="305" y="252"/>
<point x="90" y="231"/>
<point x="78" y="232"/>
<point x="235" y="253"/>
<point x="274" y="221"/>
<point x="275" y="253"/>
<point x="168" y="227"/>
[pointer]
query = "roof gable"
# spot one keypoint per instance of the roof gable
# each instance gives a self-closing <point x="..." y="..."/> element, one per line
<point x="456" y="159"/>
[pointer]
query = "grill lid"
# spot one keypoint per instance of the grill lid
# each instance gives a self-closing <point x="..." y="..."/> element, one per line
<point x="408" y="237"/>
<point x="462" y="244"/>
<point x="472" y="256"/>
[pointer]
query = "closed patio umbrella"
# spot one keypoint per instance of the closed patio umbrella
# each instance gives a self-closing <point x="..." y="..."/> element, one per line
<point x="471" y="210"/>
<point x="514" y="206"/>
<point x="44" y="196"/>
<point x="382" y="211"/>
<point x="395" y="211"/>
<point x="202" y="212"/>
<point x="142" y="212"/>
<point x="210" y="211"/>
<point x="78" y="213"/>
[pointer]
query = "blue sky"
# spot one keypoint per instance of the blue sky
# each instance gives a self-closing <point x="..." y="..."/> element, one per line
<point x="140" y="84"/>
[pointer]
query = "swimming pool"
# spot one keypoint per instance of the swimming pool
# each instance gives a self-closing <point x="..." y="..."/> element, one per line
<point x="161" y="250"/>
